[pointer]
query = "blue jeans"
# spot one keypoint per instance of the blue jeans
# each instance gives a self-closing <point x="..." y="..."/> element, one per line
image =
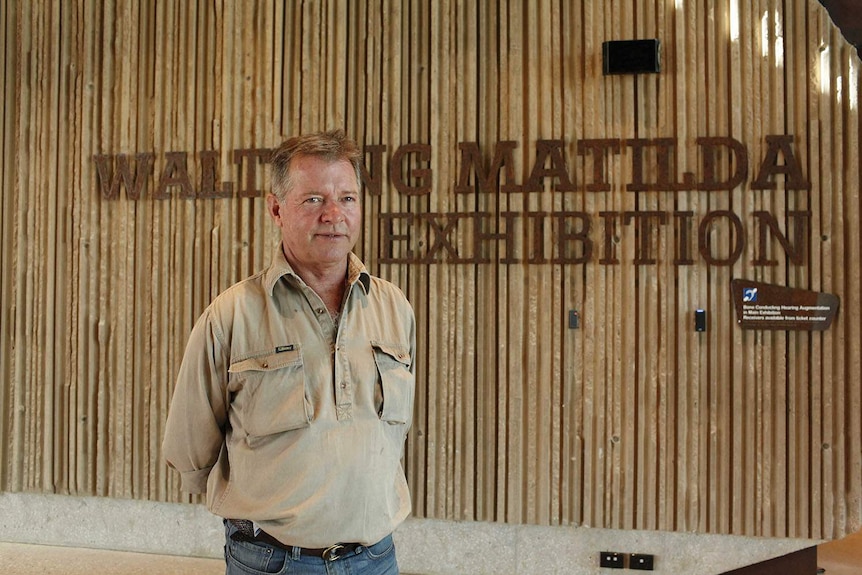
<point x="256" y="557"/>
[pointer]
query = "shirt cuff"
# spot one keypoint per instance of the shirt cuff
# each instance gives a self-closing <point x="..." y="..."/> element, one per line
<point x="195" y="481"/>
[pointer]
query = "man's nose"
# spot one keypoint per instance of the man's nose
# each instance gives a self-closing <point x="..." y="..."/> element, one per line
<point x="332" y="212"/>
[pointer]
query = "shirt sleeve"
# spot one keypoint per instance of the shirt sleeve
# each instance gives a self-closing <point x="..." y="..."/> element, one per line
<point x="411" y="330"/>
<point x="194" y="432"/>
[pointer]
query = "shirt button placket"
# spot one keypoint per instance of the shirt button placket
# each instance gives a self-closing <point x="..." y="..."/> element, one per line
<point x="343" y="390"/>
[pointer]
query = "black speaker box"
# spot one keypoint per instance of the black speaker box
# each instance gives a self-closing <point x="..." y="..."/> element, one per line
<point x="631" y="57"/>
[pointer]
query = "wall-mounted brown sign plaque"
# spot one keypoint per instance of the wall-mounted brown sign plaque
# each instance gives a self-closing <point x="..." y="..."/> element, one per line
<point x="767" y="306"/>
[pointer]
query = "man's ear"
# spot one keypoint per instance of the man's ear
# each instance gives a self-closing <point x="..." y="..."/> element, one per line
<point x="273" y="208"/>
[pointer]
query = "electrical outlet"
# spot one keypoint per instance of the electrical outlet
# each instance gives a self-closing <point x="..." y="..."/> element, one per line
<point x="641" y="561"/>
<point x="611" y="559"/>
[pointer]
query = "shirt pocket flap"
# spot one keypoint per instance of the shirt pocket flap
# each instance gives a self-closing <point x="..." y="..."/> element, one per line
<point x="268" y="361"/>
<point x="399" y="353"/>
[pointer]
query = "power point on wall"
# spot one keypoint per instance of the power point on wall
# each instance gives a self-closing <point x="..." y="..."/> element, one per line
<point x="611" y="559"/>
<point x="641" y="561"/>
<point x="616" y="560"/>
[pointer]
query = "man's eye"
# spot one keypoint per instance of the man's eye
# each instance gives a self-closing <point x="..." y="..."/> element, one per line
<point x="350" y="199"/>
<point x="313" y="200"/>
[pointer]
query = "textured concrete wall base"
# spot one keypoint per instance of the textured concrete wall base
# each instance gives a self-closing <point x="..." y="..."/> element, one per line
<point x="105" y="523"/>
<point x="425" y="546"/>
<point x="446" y="548"/>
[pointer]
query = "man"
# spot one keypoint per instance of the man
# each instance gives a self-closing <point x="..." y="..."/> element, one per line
<point x="295" y="393"/>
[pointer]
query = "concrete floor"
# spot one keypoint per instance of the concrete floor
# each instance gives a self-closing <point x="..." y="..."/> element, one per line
<point x="20" y="559"/>
<point x="842" y="557"/>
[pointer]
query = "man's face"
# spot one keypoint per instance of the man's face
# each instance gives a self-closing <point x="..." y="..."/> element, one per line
<point x="320" y="216"/>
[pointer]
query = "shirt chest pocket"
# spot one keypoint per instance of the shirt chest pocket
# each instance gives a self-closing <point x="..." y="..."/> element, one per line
<point x="397" y="382"/>
<point x="276" y="398"/>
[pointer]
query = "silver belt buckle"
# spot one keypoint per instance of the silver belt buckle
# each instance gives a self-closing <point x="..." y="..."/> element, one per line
<point x="331" y="553"/>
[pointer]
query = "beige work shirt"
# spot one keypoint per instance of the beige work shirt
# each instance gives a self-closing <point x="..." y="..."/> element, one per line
<point x="296" y="422"/>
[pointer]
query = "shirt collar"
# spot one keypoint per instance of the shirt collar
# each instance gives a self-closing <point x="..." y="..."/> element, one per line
<point x="356" y="271"/>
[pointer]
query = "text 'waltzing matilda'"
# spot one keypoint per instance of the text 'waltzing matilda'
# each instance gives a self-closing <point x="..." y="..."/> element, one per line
<point x="489" y="230"/>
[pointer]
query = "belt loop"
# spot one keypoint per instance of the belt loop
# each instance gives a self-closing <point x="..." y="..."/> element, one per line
<point x="295" y="552"/>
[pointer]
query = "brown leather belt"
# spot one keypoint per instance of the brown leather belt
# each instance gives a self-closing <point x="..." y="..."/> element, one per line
<point x="331" y="553"/>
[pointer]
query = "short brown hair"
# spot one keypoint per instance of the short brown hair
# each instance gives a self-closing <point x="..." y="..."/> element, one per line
<point x="333" y="145"/>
